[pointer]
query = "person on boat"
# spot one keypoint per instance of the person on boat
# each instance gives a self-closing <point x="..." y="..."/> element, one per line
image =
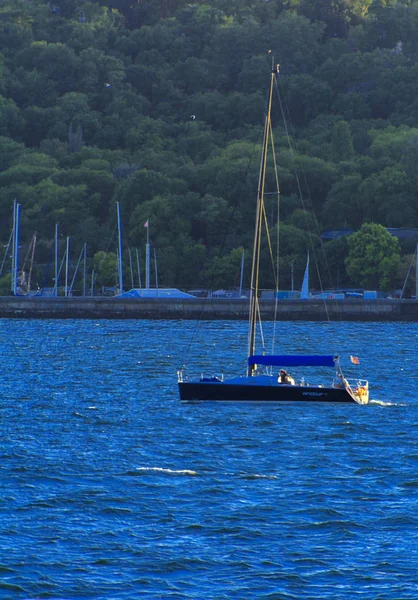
<point x="284" y="377"/>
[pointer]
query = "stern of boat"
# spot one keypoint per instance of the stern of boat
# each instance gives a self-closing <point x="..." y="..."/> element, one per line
<point x="359" y="389"/>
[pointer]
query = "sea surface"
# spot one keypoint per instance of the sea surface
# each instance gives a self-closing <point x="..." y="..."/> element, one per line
<point x="111" y="488"/>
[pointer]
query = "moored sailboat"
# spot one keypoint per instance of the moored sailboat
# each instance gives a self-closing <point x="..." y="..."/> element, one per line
<point x="260" y="383"/>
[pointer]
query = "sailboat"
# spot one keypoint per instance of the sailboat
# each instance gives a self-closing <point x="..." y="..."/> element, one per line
<point x="262" y="382"/>
<point x="304" y="292"/>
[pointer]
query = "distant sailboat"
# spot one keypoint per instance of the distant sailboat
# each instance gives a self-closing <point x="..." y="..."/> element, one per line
<point x="148" y="292"/>
<point x="407" y="275"/>
<point x="304" y="293"/>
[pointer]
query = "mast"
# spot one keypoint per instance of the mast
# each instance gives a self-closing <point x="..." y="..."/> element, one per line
<point x="156" y="272"/>
<point x="139" y="271"/>
<point x="131" y="268"/>
<point x="147" y="259"/>
<point x="13" y="246"/>
<point x="16" y="249"/>
<point x="255" y="270"/>
<point x="70" y="290"/>
<point x="85" y="270"/>
<point x="242" y="273"/>
<point x="6" y="252"/>
<point x="56" y="259"/>
<point x="120" y="250"/>
<point x="32" y="259"/>
<point x="67" y="252"/>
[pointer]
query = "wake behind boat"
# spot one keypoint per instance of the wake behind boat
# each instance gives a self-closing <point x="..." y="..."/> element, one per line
<point x="260" y="384"/>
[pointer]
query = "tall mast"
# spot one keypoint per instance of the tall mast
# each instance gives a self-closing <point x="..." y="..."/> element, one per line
<point x="76" y="271"/>
<point x="56" y="260"/>
<point x="139" y="271"/>
<point x="13" y="246"/>
<point x="131" y="268"/>
<point x="85" y="269"/>
<point x="67" y="252"/>
<point x="120" y="251"/>
<point x="31" y="259"/>
<point x="156" y="271"/>
<point x="255" y="270"/>
<point x="147" y="260"/>
<point x="242" y="273"/>
<point x="16" y="249"/>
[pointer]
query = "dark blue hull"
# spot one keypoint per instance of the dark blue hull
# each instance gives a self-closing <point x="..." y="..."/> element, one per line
<point x="233" y="392"/>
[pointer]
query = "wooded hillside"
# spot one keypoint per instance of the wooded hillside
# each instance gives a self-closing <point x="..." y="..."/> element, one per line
<point x="159" y="105"/>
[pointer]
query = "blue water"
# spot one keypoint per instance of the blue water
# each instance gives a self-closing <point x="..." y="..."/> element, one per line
<point x="110" y="488"/>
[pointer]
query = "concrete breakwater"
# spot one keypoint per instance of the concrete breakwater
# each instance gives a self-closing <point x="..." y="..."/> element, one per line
<point x="166" y="308"/>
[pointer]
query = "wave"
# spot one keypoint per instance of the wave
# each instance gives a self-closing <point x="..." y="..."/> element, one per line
<point x="168" y="471"/>
<point x="251" y="476"/>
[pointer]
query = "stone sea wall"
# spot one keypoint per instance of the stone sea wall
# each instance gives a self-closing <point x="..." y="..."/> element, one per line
<point x="163" y="308"/>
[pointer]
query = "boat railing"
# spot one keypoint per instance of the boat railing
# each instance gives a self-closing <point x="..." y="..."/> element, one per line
<point x="203" y="378"/>
<point x="357" y="383"/>
<point x="356" y="387"/>
<point x="212" y="379"/>
<point x="359" y="389"/>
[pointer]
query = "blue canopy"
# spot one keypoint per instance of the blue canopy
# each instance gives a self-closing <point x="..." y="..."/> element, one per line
<point x="292" y="361"/>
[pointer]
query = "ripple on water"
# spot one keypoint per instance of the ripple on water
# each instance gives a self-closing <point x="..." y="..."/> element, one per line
<point x="113" y="489"/>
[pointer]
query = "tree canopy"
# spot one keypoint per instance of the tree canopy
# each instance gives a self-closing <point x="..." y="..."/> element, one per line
<point x="159" y="106"/>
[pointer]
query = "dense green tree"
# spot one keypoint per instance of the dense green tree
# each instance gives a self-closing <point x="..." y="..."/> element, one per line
<point x="160" y="106"/>
<point x="344" y="203"/>
<point x="341" y="142"/>
<point x="105" y="269"/>
<point x="10" y="151"/>
<point x="335" y="253"/>
<point x="374" y="257"/>
<point x="307" y="97"/>
<point x="224" y="271"/>
<point x="336" y="14"/>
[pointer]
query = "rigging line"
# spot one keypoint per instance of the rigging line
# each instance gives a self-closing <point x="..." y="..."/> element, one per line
<point x="56" y="287"/>
<point x="264" y="216"/>
<point x="302" y="200"/>
<point x="28" y="252"/>
<point x="260" y="324"/>
<point x="313" y="212"/>
<point x="32" y="259"/>
<point x="276" y="174"/>
<point x="222" y="248"/>
<point x="407" y="275"/>
<point x="269" y="241"/>
<point x="257" y="234"/>
<point x="276" y="282"/>
<point x="99" y="266"/>
<point x="6" y="252"/>
<point x="277" y="275"/>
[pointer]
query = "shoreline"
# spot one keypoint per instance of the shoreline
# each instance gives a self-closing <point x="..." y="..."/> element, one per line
<point x="206" y="308"/>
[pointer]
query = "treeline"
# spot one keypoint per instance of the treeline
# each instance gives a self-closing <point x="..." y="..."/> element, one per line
<point x="159" y="104"/>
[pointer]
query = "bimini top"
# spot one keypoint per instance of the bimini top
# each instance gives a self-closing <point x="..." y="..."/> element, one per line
<point x="293" y="360"/>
